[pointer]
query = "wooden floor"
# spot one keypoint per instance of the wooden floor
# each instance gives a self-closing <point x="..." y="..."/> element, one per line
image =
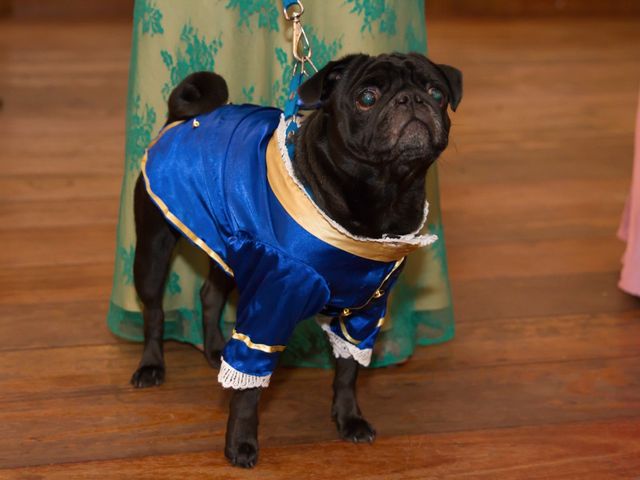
<point x="542" y="380"/>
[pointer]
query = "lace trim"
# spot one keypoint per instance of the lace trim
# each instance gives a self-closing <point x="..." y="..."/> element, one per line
<point x="413" y="238"/>
<point x="229" y="377"/>
<point x="343" y="349"/>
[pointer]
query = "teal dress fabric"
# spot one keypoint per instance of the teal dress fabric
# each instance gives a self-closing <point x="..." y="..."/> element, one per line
<point x="247" y="42"/>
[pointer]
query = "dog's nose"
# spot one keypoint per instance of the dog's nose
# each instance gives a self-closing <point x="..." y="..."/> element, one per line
<point x="402" y="99"/>
<point x="406" y="98"/>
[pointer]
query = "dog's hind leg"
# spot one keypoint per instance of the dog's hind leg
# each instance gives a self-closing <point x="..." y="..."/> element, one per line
<point x="213" y="294"/>
<point x="345" y="411"/>
<point x="155" y="242"/>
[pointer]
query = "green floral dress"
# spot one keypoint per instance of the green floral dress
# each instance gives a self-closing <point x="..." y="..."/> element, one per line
<point x="246" y="41"/>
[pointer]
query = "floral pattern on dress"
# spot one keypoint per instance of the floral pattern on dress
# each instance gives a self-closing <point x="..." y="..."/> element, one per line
<point x="414" y="43"/>
<point x="126" y="257"/>
<point x="149" y="16"/>
<point x="266" y="11"/>
<point x="141" y="124"/>
<point x="375" y="11"/>
<point x="194" y="53"/>
<point x="173" y="284"/>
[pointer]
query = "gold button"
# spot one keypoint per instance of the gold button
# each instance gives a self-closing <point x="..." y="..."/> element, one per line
<point x="346" y="312"/>
<point x="378" y="293"/>
<point x="196" y="123"/>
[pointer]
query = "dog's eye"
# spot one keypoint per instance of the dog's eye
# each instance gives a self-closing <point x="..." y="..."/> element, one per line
<point x="367" y="99"/>
<point x="436" y="94"/>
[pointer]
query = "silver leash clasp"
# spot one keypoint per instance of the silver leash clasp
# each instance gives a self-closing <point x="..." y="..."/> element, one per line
<point x="300" y="45"/>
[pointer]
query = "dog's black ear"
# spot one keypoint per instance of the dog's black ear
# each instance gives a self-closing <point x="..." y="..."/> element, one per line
<point x="318" y="88"/>
<point x="454" y="80"/>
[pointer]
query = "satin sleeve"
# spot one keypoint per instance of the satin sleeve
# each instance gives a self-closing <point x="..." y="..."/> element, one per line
<point x="276" y="292"/>
<point x="354" y="335"/>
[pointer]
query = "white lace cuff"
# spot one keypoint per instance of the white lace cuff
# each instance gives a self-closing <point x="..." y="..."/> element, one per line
<point x="229" y="377"/>
<point x="344" y="349"/>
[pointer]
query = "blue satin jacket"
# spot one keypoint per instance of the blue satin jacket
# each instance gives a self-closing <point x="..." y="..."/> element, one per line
<point x="225" y="181"/>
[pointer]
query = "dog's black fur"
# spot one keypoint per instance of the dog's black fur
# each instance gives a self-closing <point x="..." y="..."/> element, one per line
<point x="365" y="166"/>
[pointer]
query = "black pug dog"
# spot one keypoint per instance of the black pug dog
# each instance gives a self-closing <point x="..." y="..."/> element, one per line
<point x="380" y="123"/>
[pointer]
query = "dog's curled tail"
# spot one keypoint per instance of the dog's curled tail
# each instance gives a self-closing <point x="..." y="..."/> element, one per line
<point x="199" y="93"/>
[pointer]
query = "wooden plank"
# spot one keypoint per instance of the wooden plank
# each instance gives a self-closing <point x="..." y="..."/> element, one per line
<point x="74" y="38"/>
<point x="439" y="9"/>
<point x="475" y="300"/>
<point x="56" y="187"/>
<point x="484" y="224"/>
<point x="57" y="284"/>
<point x="88" y="244"/>
<point x="93" y="242"/>
<point x="72" y="9"/>
<point x="6" y="8"/>
<point x="550" y="41"/>
<point x="59" y="151"/>
<point x="537" y="339"/>
<point x="492" y="341"/>
<point x="484" y="299"/>
<point x="44" y="325"/>
<point x="597" y="451"/>
<point x="110" y="419"/>
<point x="20" y="219"/>
<point x="556" y="204"/>
<point x="478" y="344"/>
<point x="514" y="260"/>
<point x="548" y="194"/>
<point x="122" y="9"/>
<point x="532" y="214"/>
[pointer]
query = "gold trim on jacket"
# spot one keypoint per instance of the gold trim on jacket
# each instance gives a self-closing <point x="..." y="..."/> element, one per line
<point x="301" y="208"/>
<point x="171" y="217"/>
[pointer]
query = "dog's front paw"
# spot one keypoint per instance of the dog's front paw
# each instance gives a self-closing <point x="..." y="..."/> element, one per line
<point x="245" y="455"/>
<point x="148" y="376"/>
<point x="356" y="430"/>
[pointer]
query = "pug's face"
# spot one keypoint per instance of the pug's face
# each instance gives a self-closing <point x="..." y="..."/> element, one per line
<point x="387" y="108"/>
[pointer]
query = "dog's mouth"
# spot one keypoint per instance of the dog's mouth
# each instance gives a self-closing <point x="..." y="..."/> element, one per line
<point x="415" y="127"/>
<point x="414" y="135"/>
<point x="409" y="135"/>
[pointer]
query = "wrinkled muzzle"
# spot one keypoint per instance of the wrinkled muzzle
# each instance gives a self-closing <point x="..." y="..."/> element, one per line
<point x="412" y="125"/>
